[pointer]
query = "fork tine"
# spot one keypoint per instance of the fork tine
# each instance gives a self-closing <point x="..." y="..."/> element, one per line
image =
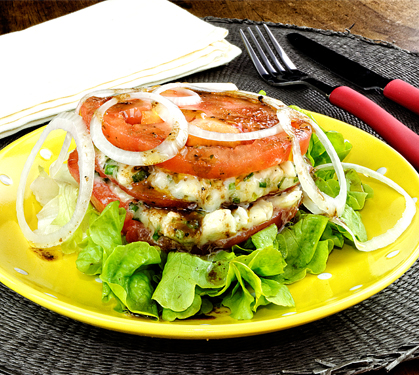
<point x="262" y="54"/>
<point x="284" y="57"/>
<point x="256" y="62"/>
<point x="269" y="50"/>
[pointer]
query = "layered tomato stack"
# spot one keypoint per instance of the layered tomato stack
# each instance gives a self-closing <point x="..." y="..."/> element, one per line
<point x="215" y="191"/>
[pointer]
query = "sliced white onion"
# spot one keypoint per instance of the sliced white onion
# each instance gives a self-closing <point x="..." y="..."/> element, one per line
<point x="249" y="136"/>
<point x="62" y="157"/>
<point x="74" y="125"/>
<point x="315" y="200"/>
<point x="392" y="234"/>
<point x="169" y="148"/>
<point x="191" y="98"/>
<point x="206" y="87"/>
<point x="101" y="94"/>
<point x="232" y="137"/>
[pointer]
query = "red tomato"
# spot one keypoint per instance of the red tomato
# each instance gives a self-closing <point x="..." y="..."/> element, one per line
<point x="132" y="125"/>
<point x="203" y="158"/>
<point x="223" y="162"/>
<point x="102" y="194"/>
<point x="139" y="190"/>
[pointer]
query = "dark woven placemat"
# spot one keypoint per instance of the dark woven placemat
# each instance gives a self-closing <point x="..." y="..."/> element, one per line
<point x="377" y="333"/>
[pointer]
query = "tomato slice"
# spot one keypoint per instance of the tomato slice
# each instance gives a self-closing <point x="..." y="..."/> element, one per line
<point x="132" y="125"/>
<point x="224" y="162"/>
<point x="203" y="158"/>
<point x="139" y="190"/>
<point x="136" y="231"/>
<point x="102" y="194"/>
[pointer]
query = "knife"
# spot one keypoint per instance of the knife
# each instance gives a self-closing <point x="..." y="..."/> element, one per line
<point x="396" y="90"/>
<point x="393" y="131"/>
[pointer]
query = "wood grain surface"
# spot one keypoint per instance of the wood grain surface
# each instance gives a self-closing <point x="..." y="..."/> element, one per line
<point x="394" y="21"/>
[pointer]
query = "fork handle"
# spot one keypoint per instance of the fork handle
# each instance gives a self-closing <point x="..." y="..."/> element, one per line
<point x="403" y="93"/>
<point x="392" y="130"/>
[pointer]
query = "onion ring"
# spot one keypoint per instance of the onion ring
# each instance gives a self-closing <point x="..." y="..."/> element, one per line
<point x="62" y="157"/>
<point x="235" y="137"/>
<point x="101" y="94"/>
<point x="74" y="125"/>
<point x="182" y="101"/>
<point x="169" y="148"/>
<point x="315" y="200"/>
<point x="206" y="87"/>
<point x="216" y="136"/>
<point x="392" y="234"/>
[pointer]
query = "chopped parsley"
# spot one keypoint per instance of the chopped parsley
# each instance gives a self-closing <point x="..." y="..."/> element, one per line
<point x="110" y="169"/>
<point x="133" y="207"/>
<point x="156" y="236"/>
<point x="248" y="176"/>
<point x="140" y="175"/>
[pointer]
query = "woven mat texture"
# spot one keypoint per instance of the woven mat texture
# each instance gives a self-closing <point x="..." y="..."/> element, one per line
<point x="377" y="333"/>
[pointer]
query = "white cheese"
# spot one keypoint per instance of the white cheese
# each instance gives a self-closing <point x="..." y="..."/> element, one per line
<point x="260" y="212"/>
<point x="286" y="200"/>
<point x="209" y="194"/>
<point x="241" y="216"/>
<point x="217" y="225"/>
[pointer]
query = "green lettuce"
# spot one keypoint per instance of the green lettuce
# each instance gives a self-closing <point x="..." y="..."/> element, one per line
<point x="306" y="251"/>
<point x="143" y="280"/>
<point x="127" y="273"/>
<point x="240" y="281"/>
<point x="103" y="235"/>
<point x="357" y="194"/>
<point x="316" y="152"/>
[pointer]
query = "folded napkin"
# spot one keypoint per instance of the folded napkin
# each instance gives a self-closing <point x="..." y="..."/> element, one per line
<point x="47" y="68"/>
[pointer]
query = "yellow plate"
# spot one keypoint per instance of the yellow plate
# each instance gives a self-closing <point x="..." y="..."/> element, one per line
<point x="52" y="280"/>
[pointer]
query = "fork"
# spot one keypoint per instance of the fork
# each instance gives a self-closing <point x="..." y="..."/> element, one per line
<point x="278" y="70"/>
<point x="277" y="73"/>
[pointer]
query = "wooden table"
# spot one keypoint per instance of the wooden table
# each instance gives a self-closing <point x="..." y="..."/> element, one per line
<point x="394" y="21"/>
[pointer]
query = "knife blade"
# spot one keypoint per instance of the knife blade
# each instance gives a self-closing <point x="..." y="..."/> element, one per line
<point x="396" y="90"/>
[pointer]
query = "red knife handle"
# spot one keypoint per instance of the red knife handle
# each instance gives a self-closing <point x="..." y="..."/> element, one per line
<point x="403" y="93"/>
<point x="392" y="130"/>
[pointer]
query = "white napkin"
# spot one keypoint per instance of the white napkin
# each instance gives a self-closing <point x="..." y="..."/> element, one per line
<point x="47" y="68"/>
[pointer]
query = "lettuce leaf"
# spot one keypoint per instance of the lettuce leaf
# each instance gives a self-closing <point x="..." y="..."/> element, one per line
<point x="182" y="273"/>
<point x="252" y="291"/>
<point x="358" y="192"/>
<point x="265" y="237"/>
<point x="141" y="280"/>
<point x="126" y="273"/>
<point x="58" y="197"/>
<point x="306" y="251"/>
<point x="238" y="280"/>
<point x="72" y="244"/>
<point x="192" y="310"/>
<point x="102" y="237"/>
<point x="240" y="299"/>
<point x="316" y="152"/>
